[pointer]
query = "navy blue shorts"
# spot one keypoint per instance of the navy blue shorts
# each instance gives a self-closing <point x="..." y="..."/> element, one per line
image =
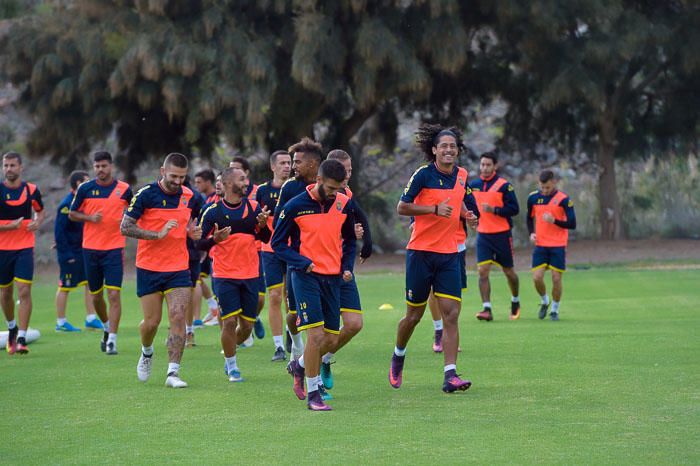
<point x="195" y="267"/>
<point x="71" y="274"/>
<point x="205" y="267"/>
<point x="275" y="269"/>
<point x="463" y="269"/>
<point x="318" y="300"/>
<point x="291" y="299"/>
<point x="495" y="248"/>
<point x="261" y="275"/>
<point x="104" y="269"/>
<point x="16" y="265"/>
<point x="426" y="270"/>
<point x="149" y="282"/>
<point x="546" y="257"/>
<point x="236" y="297"/>
<point x="350" y="297"/>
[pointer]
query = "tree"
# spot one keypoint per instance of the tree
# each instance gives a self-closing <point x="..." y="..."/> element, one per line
<point x="605" y="73"/>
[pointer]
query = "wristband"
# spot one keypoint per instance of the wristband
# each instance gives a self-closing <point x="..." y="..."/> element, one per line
<point x="436" y="209"/>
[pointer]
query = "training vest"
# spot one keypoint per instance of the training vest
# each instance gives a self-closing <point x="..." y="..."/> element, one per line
<point x="489" y="222"/>
<point x="549" y="234"/>
<point x="105" y="235"/>
<point x="21" y="238"/>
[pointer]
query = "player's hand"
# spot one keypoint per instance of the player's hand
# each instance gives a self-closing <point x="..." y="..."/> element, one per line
<point x="96" y="217"/>
<point x="15" y="224"/>
<point x="444" y="209"/>
<point x="533" y="238"/>
<point x="169" y="225"/>
<point x="220" y="235"/>
<point x="347" y="276"/>
<point x="472" y="220"/>
<point x="359" y="231"/>
<point x="263" y="216"/>
<point x="194" y="231"/>
<point x="33" y="225"/>
<point x="487" y="208"/>
<point x="310" y="268"/>
<point x="547" y="217"/>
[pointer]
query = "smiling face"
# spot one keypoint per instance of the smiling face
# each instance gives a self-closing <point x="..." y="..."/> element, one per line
<point x="446" y="151"/>
<point x="173" y="177"/>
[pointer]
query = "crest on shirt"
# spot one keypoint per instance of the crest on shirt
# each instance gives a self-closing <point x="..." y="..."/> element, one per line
<point x="184" y="200"/>
<point x="119" y="192"/>
<point x="164" y="202"/>
<point x="339" y="206"/>
<point x="461" y="181"/>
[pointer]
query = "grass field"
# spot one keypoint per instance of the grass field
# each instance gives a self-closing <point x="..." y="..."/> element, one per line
<point x="615" y="381"/>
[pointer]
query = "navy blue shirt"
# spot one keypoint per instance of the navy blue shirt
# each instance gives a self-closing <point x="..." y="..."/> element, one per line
<point x="537" y="197"/>
<point x="67" y="233"/>
<point x="510" y="208"/>
<point x="291" y="188"/>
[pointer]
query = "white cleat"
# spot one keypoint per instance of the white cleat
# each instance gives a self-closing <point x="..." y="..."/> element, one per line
<point x="174" y="381"/>
<point x="143" y="368"/>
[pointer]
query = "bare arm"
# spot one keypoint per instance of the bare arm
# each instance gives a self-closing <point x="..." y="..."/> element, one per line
<point x="410" y="209"/>
<point x="13" y="225"/>
<point x="76" y="216"/>
<point x="37" y="221"/>
<point x="129" y="228"/>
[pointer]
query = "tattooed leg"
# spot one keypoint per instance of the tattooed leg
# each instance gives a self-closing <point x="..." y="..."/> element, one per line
<point x="177" y="300"/>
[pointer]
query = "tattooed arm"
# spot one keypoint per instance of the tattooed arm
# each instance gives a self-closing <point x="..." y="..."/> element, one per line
<point x="130" y="229"/>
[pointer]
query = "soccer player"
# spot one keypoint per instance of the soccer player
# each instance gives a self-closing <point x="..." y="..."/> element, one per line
<point x="205" y="183"/>
<point x="550" y="216"/>
<point x="350" y="307"/>
<point x="315" y="237"/>
<point x="69" y="251"/>
<point x="494" y="241"/>
<point x="160" y="217"/>
<point x="100" y="204"/>
<point x="194" y="268"/>
<point x="274" y="269"/>
<point x="19" y="201"/>
<point x="306" y="159"/>
<point x="230" y="228"/>
<point x="434" y="196"/>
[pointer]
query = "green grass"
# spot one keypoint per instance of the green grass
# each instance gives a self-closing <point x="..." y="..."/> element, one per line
<point x="615" y="381"/>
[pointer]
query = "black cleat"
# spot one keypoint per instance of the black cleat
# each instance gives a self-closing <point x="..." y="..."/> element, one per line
<point x="543" y="311"/>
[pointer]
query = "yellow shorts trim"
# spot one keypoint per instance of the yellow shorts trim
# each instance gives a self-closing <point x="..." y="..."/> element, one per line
<point x="291" y="312"/>
<point x="118" y="288"/>
<point x="424" y="303"/>
<point x="306" y="327"/>
<point x="261" y="293"/>
<point x="248" y="318"/>
<point x="22" y="280"/>
<point x="6" y="285"/>
<point x="100" y="291"/>
<point x="169" y="290"/>
<point x="486" y="262"/>
<point x="67" y="289"/>
<point x="231" y="314"/>
<point x="464" y="289"/>
<point x="541" y="266"/>
<point x="556" y="269"/>
<point x="447" y="296"/>
<point x="83" y="283"/>
<point x="332" y="332"/>
<point x="354" y="311"/>
<point x="279" y="285"/>
<point x="203" y="275"/>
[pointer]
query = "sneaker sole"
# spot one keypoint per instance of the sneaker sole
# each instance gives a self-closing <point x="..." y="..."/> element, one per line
<point x="462" y="388"/>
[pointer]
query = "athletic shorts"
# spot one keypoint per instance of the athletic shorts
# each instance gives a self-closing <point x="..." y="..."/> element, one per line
<point x="205" y="267"/>
<point x="195" y="266"/>
<point x="463" y="269"/>
<point x="349" y="297"/>
<point x="291" y="299"/>
<point x="17" y="265"/>
<point x="318" y="300"/>
<point x="549" y="257"/>
<point x="236" y="297"/>
<point x="149" y="282"/>
<point x="261" y="275"/>
<point x="495" y="248"/>
<point x="71" y="274"/>
<point x="104" y="269"/>
<point x="426" y="270"/>
<point x="275" y="269"/>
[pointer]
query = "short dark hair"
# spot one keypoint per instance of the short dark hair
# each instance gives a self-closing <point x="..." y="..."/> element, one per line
<point x="227" y="173"/>
<point x="490" y="155"/>
<point x="546" y="175"/>
<point x="277" y="153"/>
<point x="207" y="175"/>
<point x="338" y="154"/>
<point x="76" y="177"/>
<point x="308" y="146"/>
<point x="101" y="155"/>
<point x="176" y="160"/>
<point x="243" y="161"/>
<point x="332" y="169"/>
<point x="13" y="155"/>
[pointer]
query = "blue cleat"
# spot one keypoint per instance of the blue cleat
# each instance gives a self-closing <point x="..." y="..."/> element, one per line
<point x="66" y="327"/>
<point x="234" y="375"/>
<point x="326" y="375"/>
<point x="325" y="396"/>
<point x="259" y="329"/>
<point x="198" y="323"/>
<point x="94" y="325"/>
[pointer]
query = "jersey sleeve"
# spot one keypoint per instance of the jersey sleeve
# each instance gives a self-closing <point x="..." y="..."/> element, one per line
<point x="37" y="203"/>
<point x="530" y="213"/>
<point x="286" y="229"/>
<point x="347" y="261"/>
<point x="570" y="222"/>
<point x="281" y="201"/>
<point x="79" y="197"/>
<point x="510" y="208"/>
<point x="60" y="229"/>
<point x="128" y="195"/>
<point x="470" y="202"/>
<point x="207" y="223"/>
<point x="138" y="203"/>
<point x="195" y="206"/>
<point x="415" y="184"/>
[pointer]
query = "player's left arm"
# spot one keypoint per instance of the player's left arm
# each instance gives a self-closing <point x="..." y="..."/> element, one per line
<point x="570" y="222"/>
<point x="510" y="208"/>
<point x="262" y="232"/>
<point x="134" y="212"/>
<point x="38" y="207"/>
<point x="361" y="218"/>
<point x="347" y="262"/>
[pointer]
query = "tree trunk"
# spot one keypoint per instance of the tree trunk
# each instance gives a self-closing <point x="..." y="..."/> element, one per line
<point x="610" y="221"/>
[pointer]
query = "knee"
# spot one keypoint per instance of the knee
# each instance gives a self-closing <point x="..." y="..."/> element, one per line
<point x="24" y="293"/>
<point x="114" y="296"/>
<point x="412" y="318"/>
<point x="483" y="273"/>
<point x="353" y="325"/>
<point x="230" y="324"/>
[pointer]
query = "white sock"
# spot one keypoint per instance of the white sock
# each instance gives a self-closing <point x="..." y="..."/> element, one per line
<point x="487" y="304"/>
<point x="22" y="334"/>
<point x="450" y="367"/>
<point x="173" y="368"/>
<point x="326" y="359"/>
<point x="297" y="342"/>
<point x="437" y="324"/>
<point x="312" y="383"/>
<point x="11" y="324"/>
<point x="211" y="302"/>
<point x="514" y="299"/>
<point x="555" y="307"/>
<point x="112" y="338"/>
<point x="249" y="341"/>
<point x="189" y="329"/>
<point x="147" y="350"/>
<point x="301" y="361"/>
<point x="90" y="317"/>
<point x="61" y="321"/>
<point x="106" y="326"/>
<point x="399" y="351"/>
<point x="278" y="341"/>
<point x="545" y="299"/>
<point x="231" y="363"/>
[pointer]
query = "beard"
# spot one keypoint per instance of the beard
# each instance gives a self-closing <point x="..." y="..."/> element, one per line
<point x="323" y="194"/>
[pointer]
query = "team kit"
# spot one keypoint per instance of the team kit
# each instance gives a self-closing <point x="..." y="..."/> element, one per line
<point x="292" y="240"/>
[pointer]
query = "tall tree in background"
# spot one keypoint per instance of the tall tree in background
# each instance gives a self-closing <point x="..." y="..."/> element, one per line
<point x="604" y="72"/>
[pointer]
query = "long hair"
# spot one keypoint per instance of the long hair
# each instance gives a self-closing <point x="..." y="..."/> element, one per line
<point x="427" y="138"/>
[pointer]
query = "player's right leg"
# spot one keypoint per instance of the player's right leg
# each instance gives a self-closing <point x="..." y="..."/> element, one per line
<point x="275" y="270"/>
<point x="94" y="274"/>
<point x="540" y="262"/>
<point x="113" y="269"/>
<point x="70" y="277"/>
<point x="297" y="346"/>
<point x="7" y="302"/>
<point x="484" y="259"/>
<point x="152" y="307"/>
